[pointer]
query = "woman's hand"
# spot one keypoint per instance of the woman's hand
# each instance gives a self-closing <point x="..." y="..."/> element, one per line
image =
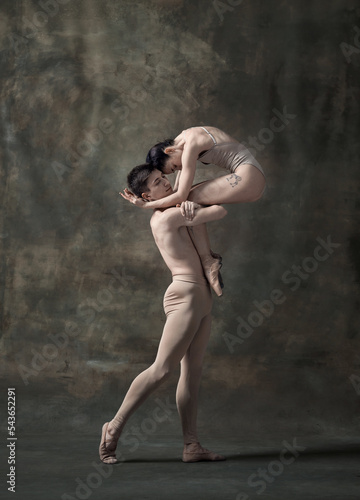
<point x="129" y="196"/>
<point x="188" y="209"/>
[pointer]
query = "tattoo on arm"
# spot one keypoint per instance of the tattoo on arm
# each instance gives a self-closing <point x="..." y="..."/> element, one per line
<point x="233" y="179"/>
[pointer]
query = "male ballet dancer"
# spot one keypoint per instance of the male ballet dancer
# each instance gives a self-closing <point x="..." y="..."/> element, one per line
<point x="187" y="305"/>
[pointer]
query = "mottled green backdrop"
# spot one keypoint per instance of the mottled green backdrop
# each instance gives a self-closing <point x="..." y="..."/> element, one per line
<point x="86" y="88"/>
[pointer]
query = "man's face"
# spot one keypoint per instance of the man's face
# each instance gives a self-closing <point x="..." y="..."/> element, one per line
<point x="158" y="186"/>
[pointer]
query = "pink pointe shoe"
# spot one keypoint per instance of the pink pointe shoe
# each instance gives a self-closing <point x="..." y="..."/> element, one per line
<point x="212" y="273"/>
<point x="107" y="448"/>
<point x="194" y="452"/>
<point x="216" y="256"/>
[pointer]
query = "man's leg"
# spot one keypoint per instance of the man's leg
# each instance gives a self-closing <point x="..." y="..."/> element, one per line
<point x="189" y="382"/>
<point x="180" y="327"/>
<point x="187" y="395"/>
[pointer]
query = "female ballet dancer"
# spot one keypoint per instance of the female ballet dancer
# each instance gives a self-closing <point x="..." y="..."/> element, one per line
<point x="244" y="181"/>
<point x="187" y="304"/>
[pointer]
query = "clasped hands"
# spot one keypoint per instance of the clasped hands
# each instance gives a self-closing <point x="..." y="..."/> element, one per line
<point x="188" y="209"/>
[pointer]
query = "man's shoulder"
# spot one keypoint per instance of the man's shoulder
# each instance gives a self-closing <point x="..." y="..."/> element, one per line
<point x="161" y="218"/>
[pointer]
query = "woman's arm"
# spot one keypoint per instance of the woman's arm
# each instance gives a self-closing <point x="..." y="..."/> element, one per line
<point x="194" y="141"/>
<point x="176" y="185"/>
<point x="188" y="160"/>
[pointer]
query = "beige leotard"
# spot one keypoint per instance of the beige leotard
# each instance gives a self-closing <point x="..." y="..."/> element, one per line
<point x="228" y="155"/>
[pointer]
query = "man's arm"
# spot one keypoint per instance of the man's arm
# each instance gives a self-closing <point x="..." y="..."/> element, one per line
<point x="173" y="218"/>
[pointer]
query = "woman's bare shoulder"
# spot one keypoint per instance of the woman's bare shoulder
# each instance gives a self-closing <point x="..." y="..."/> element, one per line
<point x="194" y="136"/>
<point x="220" y="135"/>
<point x="198" y="134"/>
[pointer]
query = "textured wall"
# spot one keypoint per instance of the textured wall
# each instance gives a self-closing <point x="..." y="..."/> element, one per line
<point x="86" y="89"/>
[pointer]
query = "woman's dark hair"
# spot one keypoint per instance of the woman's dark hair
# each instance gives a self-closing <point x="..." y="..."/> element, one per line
<point x="156" y="155"/>
<point x="137" y="178"/>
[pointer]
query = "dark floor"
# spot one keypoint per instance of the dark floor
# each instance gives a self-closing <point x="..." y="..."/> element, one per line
<point x="324" y="470"/>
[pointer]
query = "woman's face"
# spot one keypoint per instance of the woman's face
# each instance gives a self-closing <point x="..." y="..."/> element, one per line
<point x="173" y="163"/>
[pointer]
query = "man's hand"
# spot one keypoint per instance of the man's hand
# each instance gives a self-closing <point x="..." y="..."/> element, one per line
<point x="129" y="196"/>
<point x="188" y="209"/>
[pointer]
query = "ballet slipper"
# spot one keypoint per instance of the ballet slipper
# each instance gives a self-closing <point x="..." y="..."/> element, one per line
<point x="107" y="454"/>
<point x="216" y="256"/>
<point x="194" y="452"/>
<point x="214" y="277"/>
<point x="221" y="280"/>
<point x="219" y="258"/>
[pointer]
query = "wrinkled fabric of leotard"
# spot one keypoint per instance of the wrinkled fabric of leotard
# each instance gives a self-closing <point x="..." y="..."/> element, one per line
<point x="228" y="155"/>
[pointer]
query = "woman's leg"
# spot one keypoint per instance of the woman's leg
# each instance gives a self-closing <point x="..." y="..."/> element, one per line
<point x="210" y="261"/>
<point x="187" y="395"/>
<point x="247" y="184"/>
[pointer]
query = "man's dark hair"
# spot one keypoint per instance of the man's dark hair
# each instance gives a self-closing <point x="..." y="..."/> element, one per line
<point x="156" y="155"/>
<point x="137" y="178"/>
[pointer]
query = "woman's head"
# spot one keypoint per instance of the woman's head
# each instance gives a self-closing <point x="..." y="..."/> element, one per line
<point x="165" y="156"/>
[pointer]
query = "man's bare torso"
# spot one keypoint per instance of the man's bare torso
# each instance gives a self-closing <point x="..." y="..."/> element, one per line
<point x="175" y="246"/>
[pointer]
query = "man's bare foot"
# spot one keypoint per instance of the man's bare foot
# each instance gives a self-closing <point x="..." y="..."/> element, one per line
<point x="194" y="452"/>
<point x="211" y="268"/>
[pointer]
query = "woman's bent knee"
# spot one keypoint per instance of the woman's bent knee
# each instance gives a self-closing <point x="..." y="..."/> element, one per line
<point x="261" y="192"/>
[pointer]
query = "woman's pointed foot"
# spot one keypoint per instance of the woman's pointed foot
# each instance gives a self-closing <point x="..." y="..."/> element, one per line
<point x="216" y="256"/>
<point x="221" y="280"/>
<point x="107" y="447"/>
<point x="211" y="268"/>
<point x="194" y="452"/>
